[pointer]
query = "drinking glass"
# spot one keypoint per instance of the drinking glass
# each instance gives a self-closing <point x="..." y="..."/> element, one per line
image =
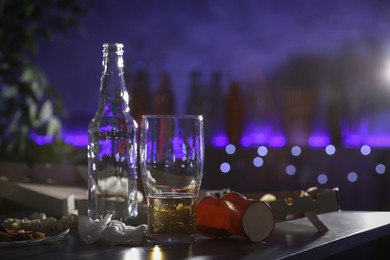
<point x="171" y="161"/>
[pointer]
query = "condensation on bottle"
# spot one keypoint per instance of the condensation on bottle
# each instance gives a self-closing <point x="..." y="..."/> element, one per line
<point x="112" y="145"/>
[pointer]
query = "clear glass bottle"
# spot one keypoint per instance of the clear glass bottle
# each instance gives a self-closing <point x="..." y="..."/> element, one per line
<point x="112" y="145"/>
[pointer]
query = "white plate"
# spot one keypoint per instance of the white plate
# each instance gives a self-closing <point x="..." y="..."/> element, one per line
<point x="47" y="239"/>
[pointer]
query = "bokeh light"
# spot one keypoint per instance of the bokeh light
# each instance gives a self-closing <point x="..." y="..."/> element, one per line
<point x="322" y="179"/>
<point x="365" y="149"/>
<point x="258" y="162"/>
<point x="291" y="169"/>
<point x="296" y="150"/>
<point x="230" y="149"/>
<point x="380" y="168"/>
<point x="330" y="149"/>
<point x="262" y="151"/>
<point x="225" y="167"/>
<point x="352" y="177"/>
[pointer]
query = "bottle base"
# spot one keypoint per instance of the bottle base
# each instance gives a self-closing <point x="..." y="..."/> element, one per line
<point x="171" y="239"/>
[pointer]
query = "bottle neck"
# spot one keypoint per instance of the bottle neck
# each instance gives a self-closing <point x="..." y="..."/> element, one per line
<point x="113" y="97"/>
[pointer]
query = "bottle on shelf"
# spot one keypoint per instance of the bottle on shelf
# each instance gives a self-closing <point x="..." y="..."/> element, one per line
<point x="112" y="145"/>
<point x="140" y="92"/>
<point x="194" y="94"/>
<point x="234" y="113"/>
<point x="217" y="128"/>
<point x="163" y="99"/>
<point x="200" y="101"/>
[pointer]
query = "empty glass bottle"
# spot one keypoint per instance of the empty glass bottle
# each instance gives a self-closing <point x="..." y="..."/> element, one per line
<point x="112" y="145"/>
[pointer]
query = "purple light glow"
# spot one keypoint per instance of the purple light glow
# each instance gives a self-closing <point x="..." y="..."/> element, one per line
<point x="319" y="140"/>
<point x="378" y="141"/>
<point x="41" y="139"/>
<point x="219" y="141"/>
<point x="277" y="141"/>
<point x="256" y="139"/>
<point x="371" y="140"/>
<point x="256" y="134"/>
<point x="77" y="136"/>
<point x="353" y="140"/>
<point x="76" y="139"/>
<point x="81" y="140"/>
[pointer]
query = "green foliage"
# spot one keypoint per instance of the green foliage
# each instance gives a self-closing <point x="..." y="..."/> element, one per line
<point x="28" y="104"/>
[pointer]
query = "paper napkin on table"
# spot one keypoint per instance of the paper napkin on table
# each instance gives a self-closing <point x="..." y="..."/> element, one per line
<point x="109" y="230"/>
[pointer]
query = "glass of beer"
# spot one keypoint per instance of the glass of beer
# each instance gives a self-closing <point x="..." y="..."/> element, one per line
<point x="171" y="161"/>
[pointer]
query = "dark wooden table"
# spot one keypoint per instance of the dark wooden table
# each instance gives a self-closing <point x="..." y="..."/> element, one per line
<point x="296" y="239"/>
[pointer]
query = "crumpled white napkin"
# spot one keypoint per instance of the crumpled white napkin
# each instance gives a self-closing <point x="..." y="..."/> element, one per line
<point x="109" y="230"/>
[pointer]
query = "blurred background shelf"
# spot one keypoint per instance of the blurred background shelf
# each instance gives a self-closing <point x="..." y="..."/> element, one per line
<point x="294" y="94"/>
